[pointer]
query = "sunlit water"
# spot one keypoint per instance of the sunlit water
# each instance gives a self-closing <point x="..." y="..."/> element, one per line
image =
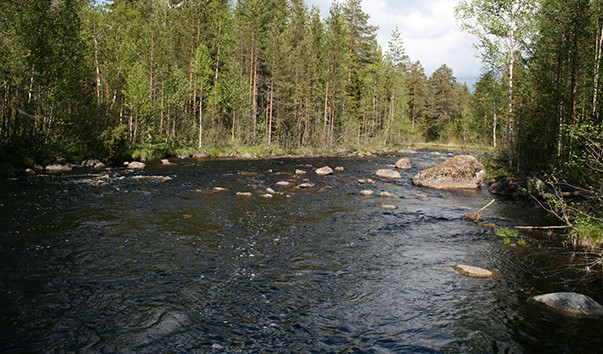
<point x="156" y="261"/>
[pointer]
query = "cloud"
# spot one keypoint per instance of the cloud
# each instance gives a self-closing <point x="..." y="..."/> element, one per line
<point x="429" y="31"/>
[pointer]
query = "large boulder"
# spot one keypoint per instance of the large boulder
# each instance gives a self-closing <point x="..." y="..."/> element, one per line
<point x="390" y="174"/>
<point x="569" y="304"/>
<point x="462" y="171"/>
<point x="403" y="164"/>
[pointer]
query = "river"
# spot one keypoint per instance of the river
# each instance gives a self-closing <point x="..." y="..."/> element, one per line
<point x="159" y="261"/>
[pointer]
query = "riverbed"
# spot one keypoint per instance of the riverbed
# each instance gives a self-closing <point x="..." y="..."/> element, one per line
<point x="171" y="259"/>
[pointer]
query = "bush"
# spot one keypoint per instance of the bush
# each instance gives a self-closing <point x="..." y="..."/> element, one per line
<point x="115" y="143"/>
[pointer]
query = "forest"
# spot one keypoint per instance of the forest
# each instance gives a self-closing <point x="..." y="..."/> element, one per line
<point x="81" y="77"/>
<point x="103" y="79"/>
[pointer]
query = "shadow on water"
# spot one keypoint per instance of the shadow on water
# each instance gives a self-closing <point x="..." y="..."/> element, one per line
<point x="157" y="260"/>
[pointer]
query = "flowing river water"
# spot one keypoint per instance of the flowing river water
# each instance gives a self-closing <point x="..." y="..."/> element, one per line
<point x="157" y="261"/>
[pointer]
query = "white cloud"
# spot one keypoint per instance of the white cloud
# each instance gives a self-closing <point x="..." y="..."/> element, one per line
<point x="429" y="31"/>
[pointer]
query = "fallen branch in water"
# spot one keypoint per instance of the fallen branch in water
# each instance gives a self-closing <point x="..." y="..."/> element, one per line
<point x="542" y="227"/>
<point x="476" y="217"/>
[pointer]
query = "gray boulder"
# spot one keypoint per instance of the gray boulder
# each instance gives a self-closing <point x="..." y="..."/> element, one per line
<point x="136" y="165"/>
<point x="473" y="272"/>
<point x="390" y="174"/>
<point x="462" y="171"/>
<point x="403" y="164"/>
<point x="569" y="304"/>
<point x="58" y="168"/>
<point x="323" y="171"/>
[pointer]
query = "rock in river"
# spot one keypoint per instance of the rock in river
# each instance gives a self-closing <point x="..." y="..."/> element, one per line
<point x="367" y="192"/>
<point x="462" y="171"/>
<point x="474" y="272"/>
<point x="136" y="165"/>
<point x="569" y="304"/>
<point x="390" y="174"/>
<point x="58" y="168"/>
<point x="323" y="171"/>
<point x="403" y="164"/>
<point x="388" y="195"/>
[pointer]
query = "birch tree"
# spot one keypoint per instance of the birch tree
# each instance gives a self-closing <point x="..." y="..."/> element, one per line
<point x="505" y="29"/>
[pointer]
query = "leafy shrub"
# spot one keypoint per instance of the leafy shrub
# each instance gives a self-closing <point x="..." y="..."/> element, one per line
<point x="115" y="143"/>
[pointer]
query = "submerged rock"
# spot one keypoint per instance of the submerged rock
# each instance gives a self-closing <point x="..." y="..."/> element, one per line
<point x="474" y="272"/>
<point x="367" y="193"/>
<point x="136" y="165"/>
<point x="569" y="304"/>
<point x="244" y="194"/>
<point x="306" y="185"/>
<point x="300" y="172"/>
<point x="388" y="195"/>
<point x="403" y="164"/>
<point x="462" y="171"/>
<point x="323" y="171"/>
<point x="367" y="181"/>
<point x="388" y="207"/>
<point x="283" y="183"/>
<point x="390" y="174"/>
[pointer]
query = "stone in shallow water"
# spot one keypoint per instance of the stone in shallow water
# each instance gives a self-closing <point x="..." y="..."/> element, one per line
<point x="366" y="193"/>
<point x="388" y="195"/>
<point x="323" y="171"/>
<point x="367" y="181"/>
<point x="474" y="272"/>
<point x="463" y="171"/>
<point x="136" y="165"/>
<point x="244" y="194"/>
<point x="569" y="304"/>
<point x="388" y="207"/>
<point x="403" y="164"/>
<point x="390" y="174"/>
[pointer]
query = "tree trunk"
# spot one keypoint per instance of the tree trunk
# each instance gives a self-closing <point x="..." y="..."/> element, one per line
<point x="200" y="118"/>
<point x="599" y="46"/>
<point x="151" y="69"/>
<point x="96" y="66"/>
<point x="270" y="115"/>
<point x="326" y="114"/>
<point x="494" y="118"/>
<point x="254" y="102"/>
<point x="161" y="113"/>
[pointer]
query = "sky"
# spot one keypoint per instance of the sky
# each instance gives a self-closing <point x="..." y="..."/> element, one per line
<point x="429" y="32"/>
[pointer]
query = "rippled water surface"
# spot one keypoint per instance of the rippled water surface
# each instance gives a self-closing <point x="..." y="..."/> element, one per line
<point x="157" y="261"/>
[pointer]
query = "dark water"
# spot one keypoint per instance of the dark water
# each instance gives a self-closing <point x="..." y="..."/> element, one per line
<point x="154" y="261"/>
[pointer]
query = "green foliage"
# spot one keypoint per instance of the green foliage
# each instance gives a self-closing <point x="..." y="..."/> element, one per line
<point x="115" y="143"/>
<point x="589" y="231"/>
<point x="510" y="237"/>
<point x="507" y="233"/>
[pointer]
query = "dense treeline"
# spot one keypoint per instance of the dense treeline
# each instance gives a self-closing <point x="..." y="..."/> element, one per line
<point x="543" y="75"/>
<point x="83" y="78"/>
<point x="80" y="78"/>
